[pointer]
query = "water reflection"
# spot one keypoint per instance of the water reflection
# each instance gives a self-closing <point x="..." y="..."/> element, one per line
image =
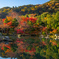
<point x="7" y="58"/>
<point x="30" y="48"/>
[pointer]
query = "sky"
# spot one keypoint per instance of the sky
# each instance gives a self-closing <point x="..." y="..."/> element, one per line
<point x="11" y="3"/>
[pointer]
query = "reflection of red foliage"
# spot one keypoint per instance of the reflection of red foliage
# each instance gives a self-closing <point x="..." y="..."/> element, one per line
<point x="54" y="43"/>
<point x="44" y="28"/>
<point x="54" y="31"/>
<point x="32" y="50"/>
<point x="9" y="23"/>
<point x="8" y="46"/>
<point x="26" y="50"/>
<point x="19" y="41"/>
<point x="20" y="31"/>
<point x="43" y="43"/>
<point x="2" y="48"/>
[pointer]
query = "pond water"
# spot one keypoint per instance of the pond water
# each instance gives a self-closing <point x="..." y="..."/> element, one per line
<point x="29" y="47"/>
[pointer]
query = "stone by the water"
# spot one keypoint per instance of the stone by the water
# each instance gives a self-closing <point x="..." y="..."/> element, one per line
<point x="7" y="37"/>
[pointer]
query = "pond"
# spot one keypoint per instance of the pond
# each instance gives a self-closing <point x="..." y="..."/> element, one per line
<point x="29" y="47"/>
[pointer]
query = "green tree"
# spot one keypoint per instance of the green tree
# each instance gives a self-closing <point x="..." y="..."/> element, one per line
<point x="15" y="22"/>
<point x="6" y="20"/>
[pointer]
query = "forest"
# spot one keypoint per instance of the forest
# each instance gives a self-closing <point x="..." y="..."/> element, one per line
<point x="30" y="31"/>
<point x="35" y="18"/>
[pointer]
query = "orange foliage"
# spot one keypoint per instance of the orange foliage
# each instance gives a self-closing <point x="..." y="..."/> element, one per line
<point x="49" y="4"/>
<point x="36" y="6"/>
<point x="9" y="23"/>
<point x="53" y="42"/>
<point x="8" y="46"/>
<point x="55" y="30"/>
<point x="57" y="4"/>
<point x="8" y="50"/>
<point x="33" y="9"/>
<point x="44" y="28"/>
<point x="43" y="43"/>
<point x="25" y="19"/>
<point x="9" y="18"/>
<point x="45" y="18"/>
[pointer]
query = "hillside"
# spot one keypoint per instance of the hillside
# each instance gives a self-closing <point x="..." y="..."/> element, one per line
<point x="51" y="7"/>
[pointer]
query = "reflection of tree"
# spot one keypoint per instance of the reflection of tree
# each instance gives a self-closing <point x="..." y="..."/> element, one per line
<point x="32" y="48"/>
<point x="14" y="47"/>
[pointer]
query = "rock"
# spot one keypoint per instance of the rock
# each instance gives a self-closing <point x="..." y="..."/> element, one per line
<point x="3" y="38"/>
<point x="19" y="35"/>
<point x="57" y="36"/>
<point x="0" y="34"/>
<point x="7" y="37"/>
<point x="47" y="36"/>
<point x="42" y="36"/>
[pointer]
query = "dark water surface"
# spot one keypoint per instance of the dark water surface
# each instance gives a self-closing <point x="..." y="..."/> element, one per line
<point x="29" y="48"/>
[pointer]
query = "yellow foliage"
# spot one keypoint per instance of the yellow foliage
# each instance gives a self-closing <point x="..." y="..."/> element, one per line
<point x="21" y="55"/>
<point x="36" y="6"/>
<point x="50" y="31"/>
<point x="58" y="23"/>
<point x="53" y="7"/>
<point x="9" y="18"/>
<point x="37" y="46"/>
<point x="23" y="10"/>
<point x="25" y="7"/>
<point x="3" y="54"/>
<point x="32" y="8"/>
<point x="37" y="23"/>
<point x="50" y="40"/>
<point x="40" y="5"/>
<point x="4" y="10"/>
<point x="57" y="4"/>
<point x="10" y="10"/>
<point x="49" y="4"/>
<point x="45" y="18"/>
<point x="44" y="51"/>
